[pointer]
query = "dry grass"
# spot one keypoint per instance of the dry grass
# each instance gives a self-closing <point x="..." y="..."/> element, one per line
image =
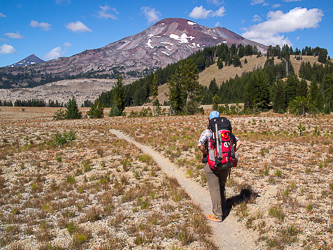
<point x="91" y="197"/>
<point x="274" y="157"/>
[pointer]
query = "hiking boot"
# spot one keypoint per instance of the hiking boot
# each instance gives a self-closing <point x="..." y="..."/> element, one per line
<point x="212" y="217"/>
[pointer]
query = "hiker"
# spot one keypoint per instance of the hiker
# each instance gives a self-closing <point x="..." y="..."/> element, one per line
<point x="215" y="178"/>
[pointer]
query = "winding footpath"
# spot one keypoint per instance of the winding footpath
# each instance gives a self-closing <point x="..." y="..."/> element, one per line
<point x="226" y="235"/>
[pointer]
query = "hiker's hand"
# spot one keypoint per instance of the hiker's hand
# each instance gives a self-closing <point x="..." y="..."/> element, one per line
<point x="202" y="149"/>
<point x="238" y="143"/>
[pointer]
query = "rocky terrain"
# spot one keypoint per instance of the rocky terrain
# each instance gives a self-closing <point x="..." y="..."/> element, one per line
<point x="62" y="91"/>
<point x="98" y="190"/>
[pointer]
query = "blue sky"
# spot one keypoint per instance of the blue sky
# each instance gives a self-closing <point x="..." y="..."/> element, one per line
<point x="53" y="28"/>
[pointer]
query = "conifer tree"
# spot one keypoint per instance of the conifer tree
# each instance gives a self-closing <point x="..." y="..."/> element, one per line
<point x="236" y="61"/>
<point x="177" y="92"/>
<point x="213" y="88"/>
<point x="292" y="83"/>
<point x="257" y="91"/>
<point x="313" y="91"/>
<point x="72" y="111"/>
<point x="185" y="92"/>
<point x="118" y="98"/>
<point x="303" y="88"/>
<point x="279" y="99"/>
<point x="328" y="92"/>
<point x="320" y="100"/>
<point x="193" y="88"/>
<point x="154" y="93"/>
<point x="216" y="101"/>
<point x="96" y="110"/>
<point x="219" y="63"/>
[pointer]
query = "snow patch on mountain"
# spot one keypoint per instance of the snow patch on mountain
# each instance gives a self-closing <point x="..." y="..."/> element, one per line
<point x="167" y="43"/>
<point x="165" y="53"/>
<point x="149" y="44"/>
<point x="190" y="23"/>
<point x="183" y="38"/>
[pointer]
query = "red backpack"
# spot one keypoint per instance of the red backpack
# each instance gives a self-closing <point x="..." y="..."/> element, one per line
<point x="222" y="147"/>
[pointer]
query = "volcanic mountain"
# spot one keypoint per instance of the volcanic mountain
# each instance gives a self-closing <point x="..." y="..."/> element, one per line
<point x="30" y="60"/>
<point x="165" y="42"/>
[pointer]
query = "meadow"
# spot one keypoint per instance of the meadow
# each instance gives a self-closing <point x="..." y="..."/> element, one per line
<point x="72" y="184"/>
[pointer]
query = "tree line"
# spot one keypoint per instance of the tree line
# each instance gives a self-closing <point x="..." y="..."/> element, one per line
<point x="31" y="103"/>
<point x="138" y="92"/>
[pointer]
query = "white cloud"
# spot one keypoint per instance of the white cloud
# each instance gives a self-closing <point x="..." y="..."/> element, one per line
<point x="78" y="27"/>
<point x="16" y="35"/>
<point x="59" y="2"/>
<point x="256" y="18"/>
<point x="53" y="54"/>
<point x="219" y="12"/>
<point x="276" y="5"/>
<point x="291" y="1"/>
<point x="67" y="45"/>
<point x="268" y="32"/>
<point x="7" y="49"/>
<point x="2" y="15"/>
<point x="103" y="13"/>
<point x="57" y="52"/>
<point x="254" y="2"/>
<point x="216" y="2"/>
<point x="298" y="38"/>
<point x="199" y="13"/>
<point x="151" y="14"/>
<point x="42" y="25"/>
<point x="217" y="24"/>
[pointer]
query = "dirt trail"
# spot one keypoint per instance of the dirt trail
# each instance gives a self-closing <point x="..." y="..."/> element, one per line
<point x="227" y="235"/>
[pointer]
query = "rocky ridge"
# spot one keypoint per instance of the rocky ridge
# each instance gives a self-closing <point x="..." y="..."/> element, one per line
<point x="165" y="42"/>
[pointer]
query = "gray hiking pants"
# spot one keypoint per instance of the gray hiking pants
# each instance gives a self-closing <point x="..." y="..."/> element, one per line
<point x="216" y="183"/>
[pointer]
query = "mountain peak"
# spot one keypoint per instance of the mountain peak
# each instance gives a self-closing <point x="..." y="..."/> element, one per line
<point x="165" y="42"/>
<point x="30" y="60"/>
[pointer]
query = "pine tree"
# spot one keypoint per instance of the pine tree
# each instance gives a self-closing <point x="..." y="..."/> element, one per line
<point x="72" y="111"/>
<point x="236" y="61"/>
<point x="96" y="110"/>
<point x="313" y="92"/>
<point x="154" y="93"/>
<point x="213" y="88"/>
<point x="303" y="88"/>
<point x="177" y="92"/>
<point x="119" y="94"/>
<point x="219" y="63"/>
<point x="328" y="92"/>
<point x="292" y="83"/>
<point x="216" y="101"/>
<point x="193" y="88"/>
<point x="257" y="91"/>
<point x="279" y="99"/>
<point x="320" y="100"/>
<point x="185" y="92"/>
<point x="322" y="57"/>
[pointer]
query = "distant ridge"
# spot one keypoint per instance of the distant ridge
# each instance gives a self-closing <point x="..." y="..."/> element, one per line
<point x="163" y="43"/>
<point x="30" y="60"/>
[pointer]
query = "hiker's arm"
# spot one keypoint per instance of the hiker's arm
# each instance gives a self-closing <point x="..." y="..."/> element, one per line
<point x="202" y="149"/>
<point x="238" y="144"/>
